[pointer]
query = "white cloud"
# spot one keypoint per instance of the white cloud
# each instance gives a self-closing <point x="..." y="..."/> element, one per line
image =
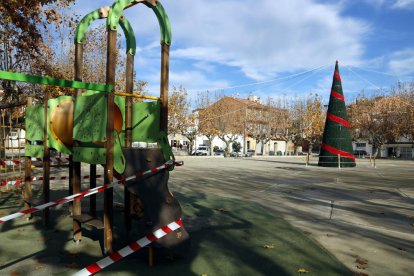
<point x="403" y="4"/>
<point x="265" y="37"/>
<point x="394" y="4"/>
<point x="401" y="62"/>
<point x="196" y="80"/>
<point x="260" y="38"/>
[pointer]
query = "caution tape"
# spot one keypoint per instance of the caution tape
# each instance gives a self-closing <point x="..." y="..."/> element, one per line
<point x="89" y="192"/>
<point x="11" y="183"/>
<point x="17" y="162"/>
<point x="127" y="250"/>
<point x="34" y="178"/>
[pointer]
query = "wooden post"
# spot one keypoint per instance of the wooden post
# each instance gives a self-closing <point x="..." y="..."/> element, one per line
<point x="307" y="159"/>
<point x="27" y="192"/>
<point x="46" y="163"/>
<point x="92" y="184"/>
<point x="109" y="145"/>
<point x="128" y="132"/>
<point x="165" y="65"/>
<point x="76" y="166"/>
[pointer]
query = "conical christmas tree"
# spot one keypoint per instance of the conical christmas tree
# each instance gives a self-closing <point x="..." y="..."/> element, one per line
<point x="336" y="141"/>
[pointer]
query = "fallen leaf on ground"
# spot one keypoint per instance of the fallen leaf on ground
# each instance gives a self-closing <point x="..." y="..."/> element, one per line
<point x="38" y="267"/>
<point x="361" y="263"/>
<point x="330" y="235"/>
<point x="268" y="246"/>
<point x="15" y="273"/>
<point x="204" y="274"/>
<point x="307" y="232"/>
<point x="302" y="270"/>
<point x="222" y="210"/>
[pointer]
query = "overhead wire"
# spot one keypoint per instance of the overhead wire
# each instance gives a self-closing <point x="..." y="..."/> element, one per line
<point x="254" y="103"/>
<point x="258" y="83"/>
<point x="364" y="79"/>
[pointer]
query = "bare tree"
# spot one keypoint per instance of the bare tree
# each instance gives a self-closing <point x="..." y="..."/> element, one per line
<point x="313" y="120"/>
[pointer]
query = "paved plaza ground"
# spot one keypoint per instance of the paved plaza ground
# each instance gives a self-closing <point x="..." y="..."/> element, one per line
<point x="364" y="216"/>
<point x="249" y="216"/>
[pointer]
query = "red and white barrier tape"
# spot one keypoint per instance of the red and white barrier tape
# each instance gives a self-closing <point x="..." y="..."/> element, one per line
<point x="88" y="192"/>
<point x="17" y="162"/>
<point x="133" y="247"/>
<point x="34" y="178"/>
<point x="11" y="182"/>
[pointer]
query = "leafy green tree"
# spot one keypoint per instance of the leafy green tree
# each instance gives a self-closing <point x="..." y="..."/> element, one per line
<point x="236" y="146"/>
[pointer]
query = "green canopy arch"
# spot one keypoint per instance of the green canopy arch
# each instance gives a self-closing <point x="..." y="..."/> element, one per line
<point x="87" y="20"/>
<point x="115" y="15"/>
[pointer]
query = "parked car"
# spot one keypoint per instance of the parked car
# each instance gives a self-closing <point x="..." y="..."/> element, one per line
<point x="219" y="152"/>
<point x="360" y="153"/>
<point x="202" y="150"/>
<point x="236" y="154"/>
<point x="250" y="153"/>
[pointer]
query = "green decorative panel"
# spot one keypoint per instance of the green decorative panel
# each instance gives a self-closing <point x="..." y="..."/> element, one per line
<point x="90" y="118"/>
<point x="120" y="102"/>
<point x="34" y="122"/>
<point x="33" y="151"/>
<point x="59" y="127"/>
<point x="91" y="155"/>
<point x="119" y="158"/>
<point x="146" y="122"/>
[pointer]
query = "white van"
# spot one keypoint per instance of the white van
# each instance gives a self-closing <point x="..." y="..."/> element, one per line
<point x="202" y="150"/>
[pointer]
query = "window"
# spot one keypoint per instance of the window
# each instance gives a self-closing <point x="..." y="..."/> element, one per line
<point x="175" y="143"/>
<point x="361" y="145"/>
<point x="248" y="145"/>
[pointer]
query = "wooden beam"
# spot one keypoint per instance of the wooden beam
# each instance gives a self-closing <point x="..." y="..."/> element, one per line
<point x="46" y="164"/>
<point x="109" y="145"/>
<point x="27" y="192"/>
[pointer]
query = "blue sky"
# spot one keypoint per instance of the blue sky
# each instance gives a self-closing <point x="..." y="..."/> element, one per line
<point x="284" y="48"/>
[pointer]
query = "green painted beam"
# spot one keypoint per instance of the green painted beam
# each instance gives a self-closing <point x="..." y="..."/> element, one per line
<point x="118" y="7"/>
<point x="129" y="35"/>
<point x="165" y="26"/>
<point x="87" y="20"/>
<point x="54" y="81"/>
<point x="80" y="33"/>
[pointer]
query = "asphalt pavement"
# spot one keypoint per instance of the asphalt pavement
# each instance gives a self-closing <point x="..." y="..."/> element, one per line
<point x="364" y="216"/>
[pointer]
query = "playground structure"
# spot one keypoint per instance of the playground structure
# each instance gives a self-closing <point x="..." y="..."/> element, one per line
<point x="99" y="126"/>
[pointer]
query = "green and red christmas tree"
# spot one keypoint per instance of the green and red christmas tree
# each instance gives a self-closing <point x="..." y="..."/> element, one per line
<point x="336" y="136"/>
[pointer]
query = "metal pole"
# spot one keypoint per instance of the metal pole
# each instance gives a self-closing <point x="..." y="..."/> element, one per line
<point x="27" y="192"/>
<point x="307" y="159"/>
<point x="109" y="145"/>
<point x="339" y="161"/>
